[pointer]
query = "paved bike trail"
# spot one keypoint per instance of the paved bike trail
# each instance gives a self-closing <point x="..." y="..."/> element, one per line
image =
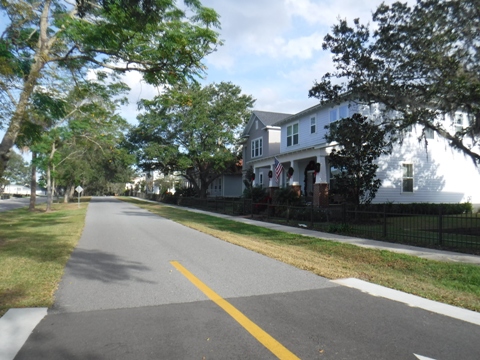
<point x="124" y="296"/>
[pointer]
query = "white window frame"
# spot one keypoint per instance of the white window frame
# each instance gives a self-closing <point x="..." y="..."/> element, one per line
<point x="340" y="112"/>
<point x="313" y="125"/>
<point x="333" y="115"/>
<point x="257" y="147"/>
<point x="293" y="136"/>
<point x="343" y="112"/>
<point x="406" y="176"/>
<point x="260" y="178"/>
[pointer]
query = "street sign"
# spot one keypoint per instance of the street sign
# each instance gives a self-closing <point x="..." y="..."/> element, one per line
<point x="79" y="190"/>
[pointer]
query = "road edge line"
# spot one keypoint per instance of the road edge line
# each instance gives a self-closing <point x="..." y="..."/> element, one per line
<point x="412" y="300"/>
<point x="16" y="325"/>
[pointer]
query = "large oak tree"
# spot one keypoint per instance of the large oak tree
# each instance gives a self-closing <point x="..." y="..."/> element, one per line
<point x="422" y="63"/>
<point x="193" y="130"/>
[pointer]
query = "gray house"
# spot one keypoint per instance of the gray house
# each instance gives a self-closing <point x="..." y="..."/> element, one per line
<point x="261" y="142"/>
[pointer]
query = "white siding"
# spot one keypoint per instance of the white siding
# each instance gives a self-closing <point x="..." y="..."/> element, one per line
<point x="441" y="174"/>
<point x="305" y="138"/>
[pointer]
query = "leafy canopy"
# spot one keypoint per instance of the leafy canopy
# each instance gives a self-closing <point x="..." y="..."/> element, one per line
<point x="360" y="143"/>
<point x="194" y="130"/>
<point x="18" y="171"/>
<point x="422" y="63"/>
<point x="163" y="41"/>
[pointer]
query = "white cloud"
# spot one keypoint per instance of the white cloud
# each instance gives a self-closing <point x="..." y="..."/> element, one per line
<point x="326" y="12"/>
<point x="303" y="47"/>
<point x="273" y="48"/>
<point x="138" y="90"/>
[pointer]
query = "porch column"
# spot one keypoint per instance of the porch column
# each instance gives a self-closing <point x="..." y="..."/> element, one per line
<point x="271" y="180"/>
<point x="296" y="173"/>
<point x="320" y="188"/>
<point x="294" y="180"/>
<point x="322" y="174"/>
<point x="272" y="183"/>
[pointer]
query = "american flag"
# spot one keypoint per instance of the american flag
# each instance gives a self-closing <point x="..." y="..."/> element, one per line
<point x="278" y="169"/>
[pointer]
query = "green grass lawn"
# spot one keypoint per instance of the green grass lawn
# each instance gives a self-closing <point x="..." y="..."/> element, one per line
<point x="34" y="248"/>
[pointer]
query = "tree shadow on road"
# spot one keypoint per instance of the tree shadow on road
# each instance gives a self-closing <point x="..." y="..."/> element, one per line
<point x="105" y="267"/>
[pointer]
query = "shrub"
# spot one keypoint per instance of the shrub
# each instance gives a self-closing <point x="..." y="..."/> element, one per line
<point x="256" y="193"/>
<point x="186" y="192"/>
<point x="423" y="208"/>
<point x="286" y="196"/>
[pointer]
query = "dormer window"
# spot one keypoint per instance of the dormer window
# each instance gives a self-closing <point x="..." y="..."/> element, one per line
<point x="257" y="147"/>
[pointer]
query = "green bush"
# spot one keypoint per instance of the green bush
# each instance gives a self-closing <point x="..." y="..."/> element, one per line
<point x="420" y="208"/>
<point x="170" y="198"/>
<point x="186" y="192"/>
<point x="256" y="193"/>
<point x="286" y="196"/>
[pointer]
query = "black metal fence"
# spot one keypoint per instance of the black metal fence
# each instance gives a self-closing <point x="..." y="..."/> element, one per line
<point x="434" y="228"/>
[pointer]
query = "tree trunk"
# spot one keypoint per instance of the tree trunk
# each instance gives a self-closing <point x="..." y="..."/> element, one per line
<point x="54" y="189"/>
<point x="67" y="195"/>
<point x="41" y="54"/>
<point x="49" y="190"/>
<point x="49" y="180"/>
<point x="33" y="183"/>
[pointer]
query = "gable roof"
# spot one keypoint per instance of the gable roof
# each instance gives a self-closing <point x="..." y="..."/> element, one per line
<point x="270" y="118"/>
<point x="267" y="118"/>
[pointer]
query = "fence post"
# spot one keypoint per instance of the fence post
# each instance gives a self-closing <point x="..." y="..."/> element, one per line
<point x="344" y="213"/>
<point x="384" y="220"/>
<point x="252" y="209"/>
<point x="440" y="225"/>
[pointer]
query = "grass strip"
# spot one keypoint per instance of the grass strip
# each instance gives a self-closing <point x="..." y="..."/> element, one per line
<point x="34" y="248"/>
<point x="451" y="283"/>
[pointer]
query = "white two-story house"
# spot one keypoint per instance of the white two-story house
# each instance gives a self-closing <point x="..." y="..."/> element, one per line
<point x="436" y="173"/>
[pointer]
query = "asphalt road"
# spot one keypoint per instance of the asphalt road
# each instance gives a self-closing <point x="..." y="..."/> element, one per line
<point x="139" y="286"/>
<point x="15" y="203"/>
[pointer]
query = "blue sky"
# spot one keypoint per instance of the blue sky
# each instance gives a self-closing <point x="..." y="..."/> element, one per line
<point x="272" y="49"/>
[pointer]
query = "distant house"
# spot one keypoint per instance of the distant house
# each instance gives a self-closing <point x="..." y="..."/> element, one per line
<point x="412" y="173"/>
<point x="152" y="182"/>
<point x="229" y="184"/>
<point x="14" y="189"/>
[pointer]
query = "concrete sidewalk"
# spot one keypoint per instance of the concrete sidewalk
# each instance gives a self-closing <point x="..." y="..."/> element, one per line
<point x="425" y="253"/>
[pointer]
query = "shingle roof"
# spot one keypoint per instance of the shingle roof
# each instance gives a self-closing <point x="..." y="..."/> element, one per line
<point x="270" y="118"/>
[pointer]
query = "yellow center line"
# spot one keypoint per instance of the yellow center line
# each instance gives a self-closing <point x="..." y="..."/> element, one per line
<point x="264" y="338"/>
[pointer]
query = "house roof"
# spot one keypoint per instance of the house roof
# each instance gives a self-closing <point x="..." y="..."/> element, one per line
<point x="270" y="118"/>
<point x="300" y="114"/>
<point x="267" y="118"/>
